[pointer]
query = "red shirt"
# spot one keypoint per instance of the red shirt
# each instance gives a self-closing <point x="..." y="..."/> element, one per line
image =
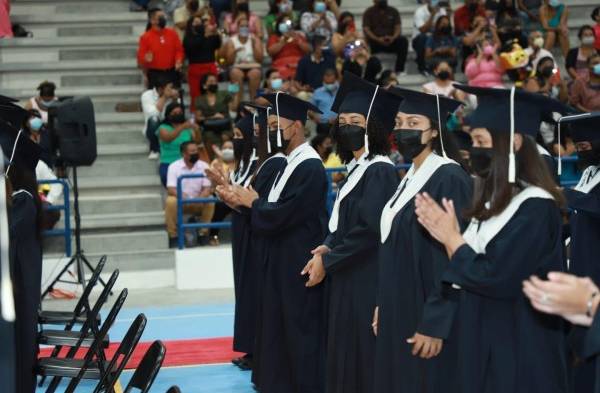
<point x="165" y="47"/>
<point x="597" y="31"/>
<point x="288" y="57"/>
<point x="463" y="18"/>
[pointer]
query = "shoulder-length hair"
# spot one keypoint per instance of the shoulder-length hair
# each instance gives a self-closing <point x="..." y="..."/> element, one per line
<point x="495" y="188"/>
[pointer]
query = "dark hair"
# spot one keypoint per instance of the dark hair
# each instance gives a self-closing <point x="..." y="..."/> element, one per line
<point x="450" y="144"/>
<point x="151" y="13"/>
<point x="329" y="71"/>
<point x="384" y="78"/>
<point x="496" y="189"/>
<point x="184" y="146"/>
<point x="538" y="68"/>
<point x="203" y="81"/>
<point x="436" y="30"/>
<point x="318" y="139"/>
<point x="235" y="10"/>
<point x="170" y="108"/>
<point x="583" y="28"/>
<point x="379" y="140"/>
<point x="24" y="179"/>
<point x="162" y="81"/>
<point x="273" y="7"/>
<point x="595" y="13"/>
<point x="279" y="20"/>
<point x="342" y="26"/>
<point x="46" y="89"/>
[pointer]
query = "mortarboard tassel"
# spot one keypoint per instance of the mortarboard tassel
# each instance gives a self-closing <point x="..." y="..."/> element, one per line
<point x="511" y="155"/>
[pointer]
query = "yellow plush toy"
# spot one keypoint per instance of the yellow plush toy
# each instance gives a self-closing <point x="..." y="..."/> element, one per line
<point x="515" y="58"/>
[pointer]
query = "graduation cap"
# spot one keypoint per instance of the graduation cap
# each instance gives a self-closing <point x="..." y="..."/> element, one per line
<point x="511" y="111"/>
<point x="289" y="107"/>
<point x="356" y="95"/>
<point x="433" y="106"/>
<point x="260" y="117"/>
<point x="19" y="149"/>
<point x="246" y="122"/>
<point x="584" y="127"/>
<point x="11" y="114"/>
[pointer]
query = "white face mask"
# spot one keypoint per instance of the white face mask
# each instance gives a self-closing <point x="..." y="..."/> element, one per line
<point x="538" y="42"/>
<point x="588" y="40"/>
<point x="228" y="155"/>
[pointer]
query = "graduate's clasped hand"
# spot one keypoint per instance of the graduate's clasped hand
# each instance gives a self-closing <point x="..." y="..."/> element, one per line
<point x="315" y="268"/>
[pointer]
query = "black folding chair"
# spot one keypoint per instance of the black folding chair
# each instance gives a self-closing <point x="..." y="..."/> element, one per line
<point x="145" y="373"/>
<point x="70" y="318"/>
<point x="174" y="389"/>
<point x="68" y="367"/>
<point x="86" y="335"/>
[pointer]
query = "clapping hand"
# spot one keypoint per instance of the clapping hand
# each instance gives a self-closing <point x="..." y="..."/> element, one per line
<point x="246" y="196"/>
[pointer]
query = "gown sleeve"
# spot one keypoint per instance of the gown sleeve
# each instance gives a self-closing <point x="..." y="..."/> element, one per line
<point x="591" y="340"/>
<point x="513" y="255"/>
<point x="588" y="203"/>
<point x="440" y="304"/>
<point x="305" y="191"/>
<point x="381" y="182"/>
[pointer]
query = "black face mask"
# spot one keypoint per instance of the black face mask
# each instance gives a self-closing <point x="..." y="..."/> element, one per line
<point x="177" y="119"/>
<point x="243" y="7"/>
<point x="238" y="148"/>
<point x="273" y="141"/>
<point x="212" y="88"/>
<point x="409" y="142"/>
<point x="546" y="72"/>
<point x="481" y="160"/>
<point x="382" y="3"/>
<point x="589" y="157"/>
<point x="193" y="5"/>
<point x="162" y="22"/>
<point x="351" y="137"/>
<point x="193" y="158"/>
<point x="446" y="30"/>
<point x="443" y="75"/>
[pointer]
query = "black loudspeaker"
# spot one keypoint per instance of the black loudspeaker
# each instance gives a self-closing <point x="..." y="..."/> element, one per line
<point x="73" y="126"/>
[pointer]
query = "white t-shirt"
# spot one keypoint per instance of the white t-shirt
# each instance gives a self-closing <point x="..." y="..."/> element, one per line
<point x="149" y="99"/>
<point x="540" y="55"/>
<point x="434" y="88"/>
<point x="421" y="17"/>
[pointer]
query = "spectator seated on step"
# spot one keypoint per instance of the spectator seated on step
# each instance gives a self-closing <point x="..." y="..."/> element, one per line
<point x="536" y="50"/>
<point x="481" y="29"/>
<point x="359" y="61"/>
<point x="320" y="20"/>
<point x="311" y="67"/>
<point x="279" y="9"/>
<point x="223" y="163"/>
<point x="423" y="25"/>
<point x="382" y="26"/>
<point x="576" y="61"/>
<point x="244" y="53"/>
<point x="442" y="84"/>
<point x="160" y="52"/>
<point x="585" y="94"/>
<point x="174" y="131"/>
<point x="182" y="15"/>
<point x="241" y="10"/>
<point x="286" y="46"/>
<point x="484" y="69"/>
<point x="201" y="187"/>
<point x="596" y="18"/>
<point x="39" y="133"/>
<point x="323" y="99"/>
<point x="44" y="100"/>
<point x="5" y="25"/>
<point x="346" y="34"/>
<point x="509" y="25"/>
<point x="442" y="45"/>
<point x="154" y="103"/>
<point x="464" y="16"/>
<point x="554" y="17"/>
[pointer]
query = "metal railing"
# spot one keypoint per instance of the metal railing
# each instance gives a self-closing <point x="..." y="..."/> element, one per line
<point x="331" y="195"/>
<point x="66" y="207"/>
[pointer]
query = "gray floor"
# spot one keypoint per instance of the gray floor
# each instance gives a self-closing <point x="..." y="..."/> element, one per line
<point x="163" y="297"/>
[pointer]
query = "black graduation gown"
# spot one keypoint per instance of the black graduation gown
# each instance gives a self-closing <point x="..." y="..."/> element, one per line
<point x="7" y="354"/>
<point x="351" y="266"/>
<point x="290" y="351"/>
<point x="507" y="346"/>
<point x="26" y="272"/>
<point x="244" y="279"/>
<point x="591" y="348"/>
<point x="411" y="298"/>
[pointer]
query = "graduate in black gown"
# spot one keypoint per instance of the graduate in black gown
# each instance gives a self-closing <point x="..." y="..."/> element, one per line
<point x="514" y="233"/>
<point x="348" y="256"/>
<point x="25" y="228"/>
<point x="415" y="313"/>
<point x="293" y="217"/>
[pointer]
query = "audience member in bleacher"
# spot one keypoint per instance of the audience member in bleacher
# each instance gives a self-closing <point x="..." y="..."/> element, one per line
<point x="529" y="10"/>
<point x="546" y="80"/>
<point x="279" y="9"/>
<point x="241" y="11"/>
<point x="442" y="45"/>
<point x="182" y="15"/>
<point x="554" y="16"/>
<point x="212" y="112"/>
<point x="536" y="50"/>
<point x="286" y="47"/>
<point x="312" y="66"/>
<point x="188" y="164"/>
<point x="323" y="145"/>
<point x="200" y="43"/>
<point x="244" y="52"/>
<point x="45" y="98"/>
<point x="387" y="79"/>
<point x="274" y="83"/>
<point x="160" y="52"/>
<point x="423" y="25"/>
<point x="323" y="98"/>
<point x="39" y="133"/>
<point x="154" y="101"/>
<point x="171" y="134"/>
<point x="359" y="61"/>
<point x="5" y="25"/>
<point x="346" y="34"/>
<point x="223" y="163"/>
<point x="585" y="94"/>
<point x="464" y="16"/>
<point x="481" y="29"/>
<point x="382" y="27"/>
<point x="321" y="20"/>
<point x="443" y="80"/>
<point x="484" y="69"/>
<point x="576" y="60"/>
<point x="509" y="23"/>
<point x="596" y="18"/>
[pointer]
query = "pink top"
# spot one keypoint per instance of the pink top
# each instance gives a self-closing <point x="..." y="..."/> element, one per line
<point x="5" y="25"/>
<point x="191" y="187"/>
<point x="485" y="74"/>
<point x="233" y="27"/>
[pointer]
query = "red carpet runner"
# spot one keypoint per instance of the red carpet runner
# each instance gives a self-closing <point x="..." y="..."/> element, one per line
<point x="179" y="352"/>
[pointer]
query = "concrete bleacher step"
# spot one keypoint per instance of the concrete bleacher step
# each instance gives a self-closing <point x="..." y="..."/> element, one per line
<point x="119" y="167"/>
<point x="115" y="136"/>
<point x="111" y="204"/>
<point x="130" y="261"/>
<point x="113" y="241"/>
<point x="112" y="184"/>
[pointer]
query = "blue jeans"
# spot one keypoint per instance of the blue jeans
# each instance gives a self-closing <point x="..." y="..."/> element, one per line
<point x="162" y="171"/>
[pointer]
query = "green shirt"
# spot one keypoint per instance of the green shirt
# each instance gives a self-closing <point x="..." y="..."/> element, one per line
<point x="169" y="151"/>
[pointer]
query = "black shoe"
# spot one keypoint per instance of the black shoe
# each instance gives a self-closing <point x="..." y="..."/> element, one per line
<point x="237" y="361"/>
<point x="245" y="365"/>
<point x="173" y="243"/>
